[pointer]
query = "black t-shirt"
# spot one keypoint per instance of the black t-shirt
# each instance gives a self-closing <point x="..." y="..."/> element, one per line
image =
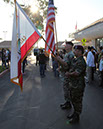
<point x="42" y="59"/>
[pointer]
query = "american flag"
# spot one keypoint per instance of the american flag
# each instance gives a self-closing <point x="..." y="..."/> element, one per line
<point x="50" y="27"/>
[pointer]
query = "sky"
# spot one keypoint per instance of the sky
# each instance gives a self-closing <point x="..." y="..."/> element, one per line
<point x="69" y="12"/>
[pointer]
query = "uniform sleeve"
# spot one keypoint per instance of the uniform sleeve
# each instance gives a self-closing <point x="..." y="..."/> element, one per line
<point x="70" y="58"/>
<point x="68" y="61"/>
<point x="80" y="67"/>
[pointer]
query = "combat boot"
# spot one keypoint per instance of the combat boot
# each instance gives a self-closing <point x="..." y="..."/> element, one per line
<point x="70" y="116"/>
<point x="74" y="118"/>
<point x="66" y="105"/>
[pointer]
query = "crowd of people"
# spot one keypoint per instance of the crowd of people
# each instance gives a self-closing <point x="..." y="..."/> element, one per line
<point x="94" y="64"/>
<point x="75" y="66"/>
<point x="5" y="57"/>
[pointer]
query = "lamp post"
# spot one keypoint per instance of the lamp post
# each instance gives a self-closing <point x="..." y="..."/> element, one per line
<point x="5" y="32"/>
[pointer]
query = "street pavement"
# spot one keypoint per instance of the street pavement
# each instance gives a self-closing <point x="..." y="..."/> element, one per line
<point x="37" y="107"/>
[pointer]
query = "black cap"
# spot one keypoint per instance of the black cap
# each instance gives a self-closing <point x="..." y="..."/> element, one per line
<point x="69" y="42"/>
<point x="79" y="47"/>
<point x="92" y="47"/>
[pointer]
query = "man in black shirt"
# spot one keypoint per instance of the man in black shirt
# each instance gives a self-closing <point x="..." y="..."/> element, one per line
<point x="42" y="63"/>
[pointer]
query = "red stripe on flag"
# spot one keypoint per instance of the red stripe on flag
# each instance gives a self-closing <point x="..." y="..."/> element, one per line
<point x="51" y="20"/>
<point x="29" y="43"/>
<point x="52" y="13"/>
<point x="19" y="68"/>
<point x="50" y="27"/>
<point x="20" y="75"/>
<point x="49" y="36"/>
<point x="51" y="8"/>
<point x="21" y="81"/>
<point x="52" y="42"/>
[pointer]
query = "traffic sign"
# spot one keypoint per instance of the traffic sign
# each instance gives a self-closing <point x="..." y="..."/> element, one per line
<point x="83" y="41"/>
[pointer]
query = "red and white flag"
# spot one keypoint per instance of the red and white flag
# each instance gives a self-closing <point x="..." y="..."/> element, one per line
<point x="25" y="35"/>
<point x="76" y="26"/>
<point x="50" y="39"/>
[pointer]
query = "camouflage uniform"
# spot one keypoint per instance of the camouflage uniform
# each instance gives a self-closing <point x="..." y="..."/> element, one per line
<point x="67" y="58"/>
<point x="77" y="84"/>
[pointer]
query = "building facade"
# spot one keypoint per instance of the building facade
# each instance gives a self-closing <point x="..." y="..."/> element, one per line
<point x="93" y="33"/>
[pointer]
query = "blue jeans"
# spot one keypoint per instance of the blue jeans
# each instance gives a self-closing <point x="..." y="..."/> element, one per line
<point x="4" y="63"/>
<point x="56" y="73"/>
<point x="42" y="69"/>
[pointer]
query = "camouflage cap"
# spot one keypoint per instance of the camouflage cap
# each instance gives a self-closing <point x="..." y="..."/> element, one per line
<point x="69" y="42"/>
<point x="79" y="47"/>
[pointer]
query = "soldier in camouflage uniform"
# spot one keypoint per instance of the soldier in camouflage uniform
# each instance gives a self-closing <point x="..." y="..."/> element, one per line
<point x="77" y="82"/>
<point x="65" y="65"/>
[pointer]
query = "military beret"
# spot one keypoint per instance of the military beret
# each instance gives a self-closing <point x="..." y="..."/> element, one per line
<point x="69" y="42"/>
<point x="79" y="47"/>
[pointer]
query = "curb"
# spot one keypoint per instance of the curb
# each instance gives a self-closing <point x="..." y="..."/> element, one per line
<point x="5" y="71"/>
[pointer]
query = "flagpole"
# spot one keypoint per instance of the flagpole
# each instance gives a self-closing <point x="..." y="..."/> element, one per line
<point x="15" y="2"/>
<point x="20" y="77"/>
<point x="48" y="45"/>
<point x="56" y="38"/>
<point x="15" y="12"/>
<point x="57" y="41"/>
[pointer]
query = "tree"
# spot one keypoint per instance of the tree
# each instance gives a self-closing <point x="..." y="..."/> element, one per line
<point x="36" y="18"/>
<point x="7" y="1"/>
<point x="39" y="17"/>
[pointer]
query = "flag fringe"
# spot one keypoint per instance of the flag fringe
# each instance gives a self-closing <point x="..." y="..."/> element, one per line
<point x="12" y="80"/>
<point x="49" y="27"/>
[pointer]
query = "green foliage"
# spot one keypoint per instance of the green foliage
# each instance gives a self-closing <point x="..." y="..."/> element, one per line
<point x="43" y="5"/>
<point x="7" y="1"/>
<point x="36" y="18"/>
<point x="39" y="17"/>
<point x="2" y="69"/>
